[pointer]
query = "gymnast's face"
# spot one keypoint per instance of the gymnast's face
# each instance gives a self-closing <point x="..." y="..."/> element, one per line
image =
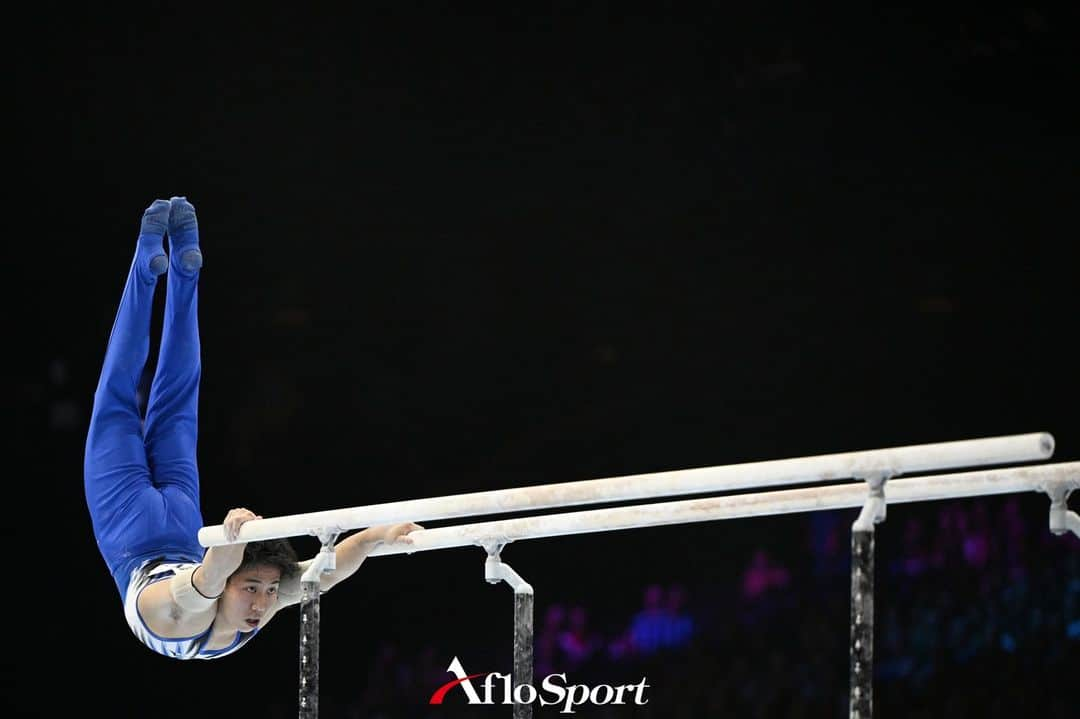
<point x="250" y="596"/>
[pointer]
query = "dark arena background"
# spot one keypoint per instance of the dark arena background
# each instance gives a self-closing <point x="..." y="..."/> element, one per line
<point x="448" y="251"/>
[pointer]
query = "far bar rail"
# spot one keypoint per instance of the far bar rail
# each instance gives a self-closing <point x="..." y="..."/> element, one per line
<point x="891" y="462"/>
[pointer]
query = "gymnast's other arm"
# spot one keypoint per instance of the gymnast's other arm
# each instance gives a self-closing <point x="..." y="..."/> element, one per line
<point x="349" y="554"/>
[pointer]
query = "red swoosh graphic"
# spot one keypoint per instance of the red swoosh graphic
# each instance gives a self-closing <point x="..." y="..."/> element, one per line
<point x="437" y="697"/>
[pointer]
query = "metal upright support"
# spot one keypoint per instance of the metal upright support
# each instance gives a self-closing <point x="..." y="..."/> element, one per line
<point x="862" y="599"/>
<point x="1062" y="519"/>
<point x="310" y="584"/>
<point x="495" y="570"/>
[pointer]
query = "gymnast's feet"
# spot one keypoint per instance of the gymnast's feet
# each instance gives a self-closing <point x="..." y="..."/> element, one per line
<point x="150" y="253"/>
<point x="184" y="236"/>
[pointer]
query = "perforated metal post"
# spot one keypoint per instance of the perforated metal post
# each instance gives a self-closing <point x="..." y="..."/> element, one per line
<point x="310" y="584"/>
<point x="495" y="570"/>
<point x="861" y="701"/>
<point x="309" y="650"/>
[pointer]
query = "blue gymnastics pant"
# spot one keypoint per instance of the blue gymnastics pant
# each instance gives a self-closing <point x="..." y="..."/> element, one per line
<point x="140" y="474"/>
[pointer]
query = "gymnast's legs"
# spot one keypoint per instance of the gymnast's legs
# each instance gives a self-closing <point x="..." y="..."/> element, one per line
<point x="142" y="486"/>
<point x="171" y="428"/>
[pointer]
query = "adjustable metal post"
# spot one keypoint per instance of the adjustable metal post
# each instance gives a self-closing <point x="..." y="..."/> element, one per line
<point x="495" y="570"/>
<point x="309" y="625"/>
<point x="862" y="599"/>
<point x="1062" y="519"/>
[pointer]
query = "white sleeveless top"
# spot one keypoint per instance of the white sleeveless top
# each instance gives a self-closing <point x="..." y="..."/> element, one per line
<point x="178" y="648"/>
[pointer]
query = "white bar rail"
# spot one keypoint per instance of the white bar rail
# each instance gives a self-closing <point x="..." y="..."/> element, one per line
<point x="892" y="462"/>
<point x="1044" y="478"/>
